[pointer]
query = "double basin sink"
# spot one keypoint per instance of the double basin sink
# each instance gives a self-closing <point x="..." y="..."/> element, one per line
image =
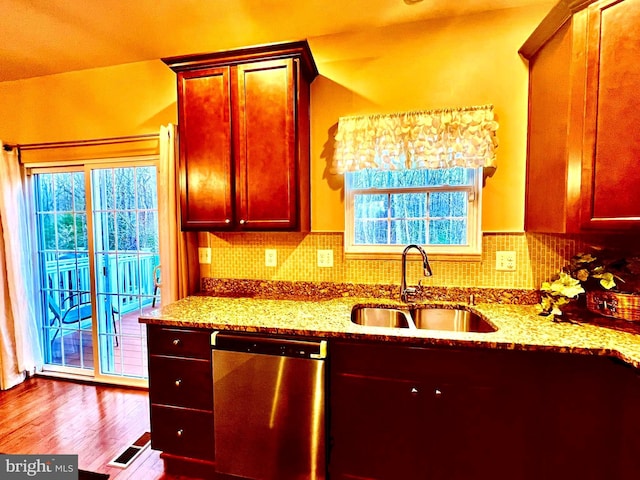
<point x="422" y="317"/>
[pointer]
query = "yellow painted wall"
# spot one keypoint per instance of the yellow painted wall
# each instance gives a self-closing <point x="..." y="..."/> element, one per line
<point x="129" y="99"/>
<point x="451" y="62"/>
<point x="442" y="63"/>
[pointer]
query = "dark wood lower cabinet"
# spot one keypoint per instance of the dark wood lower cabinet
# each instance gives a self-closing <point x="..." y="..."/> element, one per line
<point x="397" y="412"/>
<point x="577" y="417"/>
<point x="392" y="429"/>
<point x="412" y="413"/>
<point x="459" y="414"/>
<point x="629" y="445"/>
<point x="181" y="397"/>
<point x="478" y="433"/>
<point x="376" y="427"/>
<point x="182" y="431"/>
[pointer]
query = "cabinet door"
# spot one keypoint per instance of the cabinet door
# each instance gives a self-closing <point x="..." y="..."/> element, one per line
<point x="630" y="425"/>
<point x="180" y="382"/>
<point x="377" y="428"/>
<point x="576" y="418"/>
<point x="478" y="432"/>
<point x="611" y="157"/>
<point x="179" y="342"/>
<point x="266" y="170"/>
<point x="548" y="201"/>
<point x="206" y="190"/>
<point x="182" y="431"/>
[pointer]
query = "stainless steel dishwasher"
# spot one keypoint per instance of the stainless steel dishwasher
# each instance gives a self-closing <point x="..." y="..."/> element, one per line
<point x="269" y="407"/>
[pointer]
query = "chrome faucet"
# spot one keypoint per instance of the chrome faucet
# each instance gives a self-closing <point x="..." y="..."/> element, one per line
<point x="407" y="294"/>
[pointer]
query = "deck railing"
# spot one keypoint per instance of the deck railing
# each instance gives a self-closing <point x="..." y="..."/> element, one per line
<point x="130" y="277"/>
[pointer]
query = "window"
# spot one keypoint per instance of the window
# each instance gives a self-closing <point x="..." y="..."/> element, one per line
<point x="387" y="210"/>
<point x="415" y="178"/>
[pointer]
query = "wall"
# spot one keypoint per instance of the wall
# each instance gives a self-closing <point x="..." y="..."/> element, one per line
<point x="442" y="63"/>
<point x="445" y="63"/>
<point x="123" y="100"/>
<point x="459" y="61"/>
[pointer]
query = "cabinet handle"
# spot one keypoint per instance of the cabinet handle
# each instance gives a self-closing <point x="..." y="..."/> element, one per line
<point x="178" y="382"/>
<point x="242" y="222"/>
<point x="179" y="433"/>
<point x="176" y="342"/>
<point x="226" y="220"/>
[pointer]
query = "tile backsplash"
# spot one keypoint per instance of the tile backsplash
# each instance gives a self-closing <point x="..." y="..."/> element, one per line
<point x="538" y="257"/>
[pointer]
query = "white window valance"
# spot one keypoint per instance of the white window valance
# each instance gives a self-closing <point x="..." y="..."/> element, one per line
<point x="445" y="138"/>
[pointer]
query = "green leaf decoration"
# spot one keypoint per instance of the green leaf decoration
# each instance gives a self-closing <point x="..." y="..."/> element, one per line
<point x="587" y="272"/>
<point x="607" y="281"/>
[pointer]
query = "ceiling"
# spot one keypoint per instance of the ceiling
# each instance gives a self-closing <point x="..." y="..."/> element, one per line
<point x="44" y="37"/>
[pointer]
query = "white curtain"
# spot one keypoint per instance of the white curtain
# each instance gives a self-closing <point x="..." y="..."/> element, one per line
<point x="174" y="271"/>
<point x="460" y="137"/>
<point x="20" y="351"/>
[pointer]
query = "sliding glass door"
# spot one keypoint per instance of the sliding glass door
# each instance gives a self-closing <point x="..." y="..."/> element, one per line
<point x="125" y="232"/>
<point x="65" y="279"/>
<point x="97" y="247"/>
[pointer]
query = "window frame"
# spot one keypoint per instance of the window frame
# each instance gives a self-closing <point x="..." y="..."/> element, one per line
<point x="471" y="251"/>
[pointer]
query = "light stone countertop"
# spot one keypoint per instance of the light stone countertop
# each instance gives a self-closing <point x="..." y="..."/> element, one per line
<point x="519" y="326"/>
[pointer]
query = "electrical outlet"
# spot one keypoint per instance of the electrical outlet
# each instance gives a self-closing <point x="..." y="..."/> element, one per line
<point x="204" y="255"/>
<point x="506" y="261"/>
<point x="270" y="257"/>
<point x="325" y="258"/>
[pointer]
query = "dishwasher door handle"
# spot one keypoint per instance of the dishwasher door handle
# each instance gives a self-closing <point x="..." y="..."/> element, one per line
<point x="269" y="344"/>
<point x="322" y="354"/>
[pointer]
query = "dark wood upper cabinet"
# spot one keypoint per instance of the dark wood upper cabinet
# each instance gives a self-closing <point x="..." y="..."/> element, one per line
<point x="583" y="154"/>
<point x="243" y="123"/>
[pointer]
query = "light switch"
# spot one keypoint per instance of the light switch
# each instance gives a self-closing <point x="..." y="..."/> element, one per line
<point x="204" y="255"/>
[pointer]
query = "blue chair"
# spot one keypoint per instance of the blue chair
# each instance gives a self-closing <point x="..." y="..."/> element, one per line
<point x="71" y="311"/>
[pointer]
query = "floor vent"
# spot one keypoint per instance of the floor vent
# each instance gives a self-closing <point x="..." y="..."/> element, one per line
<point x="131" y="452"/>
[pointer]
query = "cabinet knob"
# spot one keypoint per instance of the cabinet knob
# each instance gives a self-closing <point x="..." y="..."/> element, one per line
<point x="226" y="220"/>
<point x="414" y="391"/>
<point x="242" y="222"/>
<point x="437" y="392"/>
<point x="178" y="382"/>
<point x="176" y="342"/>
<point x="179" y="433"/>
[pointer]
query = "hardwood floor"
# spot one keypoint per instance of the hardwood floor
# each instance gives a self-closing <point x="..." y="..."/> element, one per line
<point x="97" y="422"/>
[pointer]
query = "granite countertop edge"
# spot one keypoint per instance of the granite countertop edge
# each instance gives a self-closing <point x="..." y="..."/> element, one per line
<point x="519" y="327"/>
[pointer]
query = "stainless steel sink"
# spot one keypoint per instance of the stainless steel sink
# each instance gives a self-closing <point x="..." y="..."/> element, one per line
<point x="381" y="317"/>
<point x="420" y="317"/>
<point x="450" y="319"/>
